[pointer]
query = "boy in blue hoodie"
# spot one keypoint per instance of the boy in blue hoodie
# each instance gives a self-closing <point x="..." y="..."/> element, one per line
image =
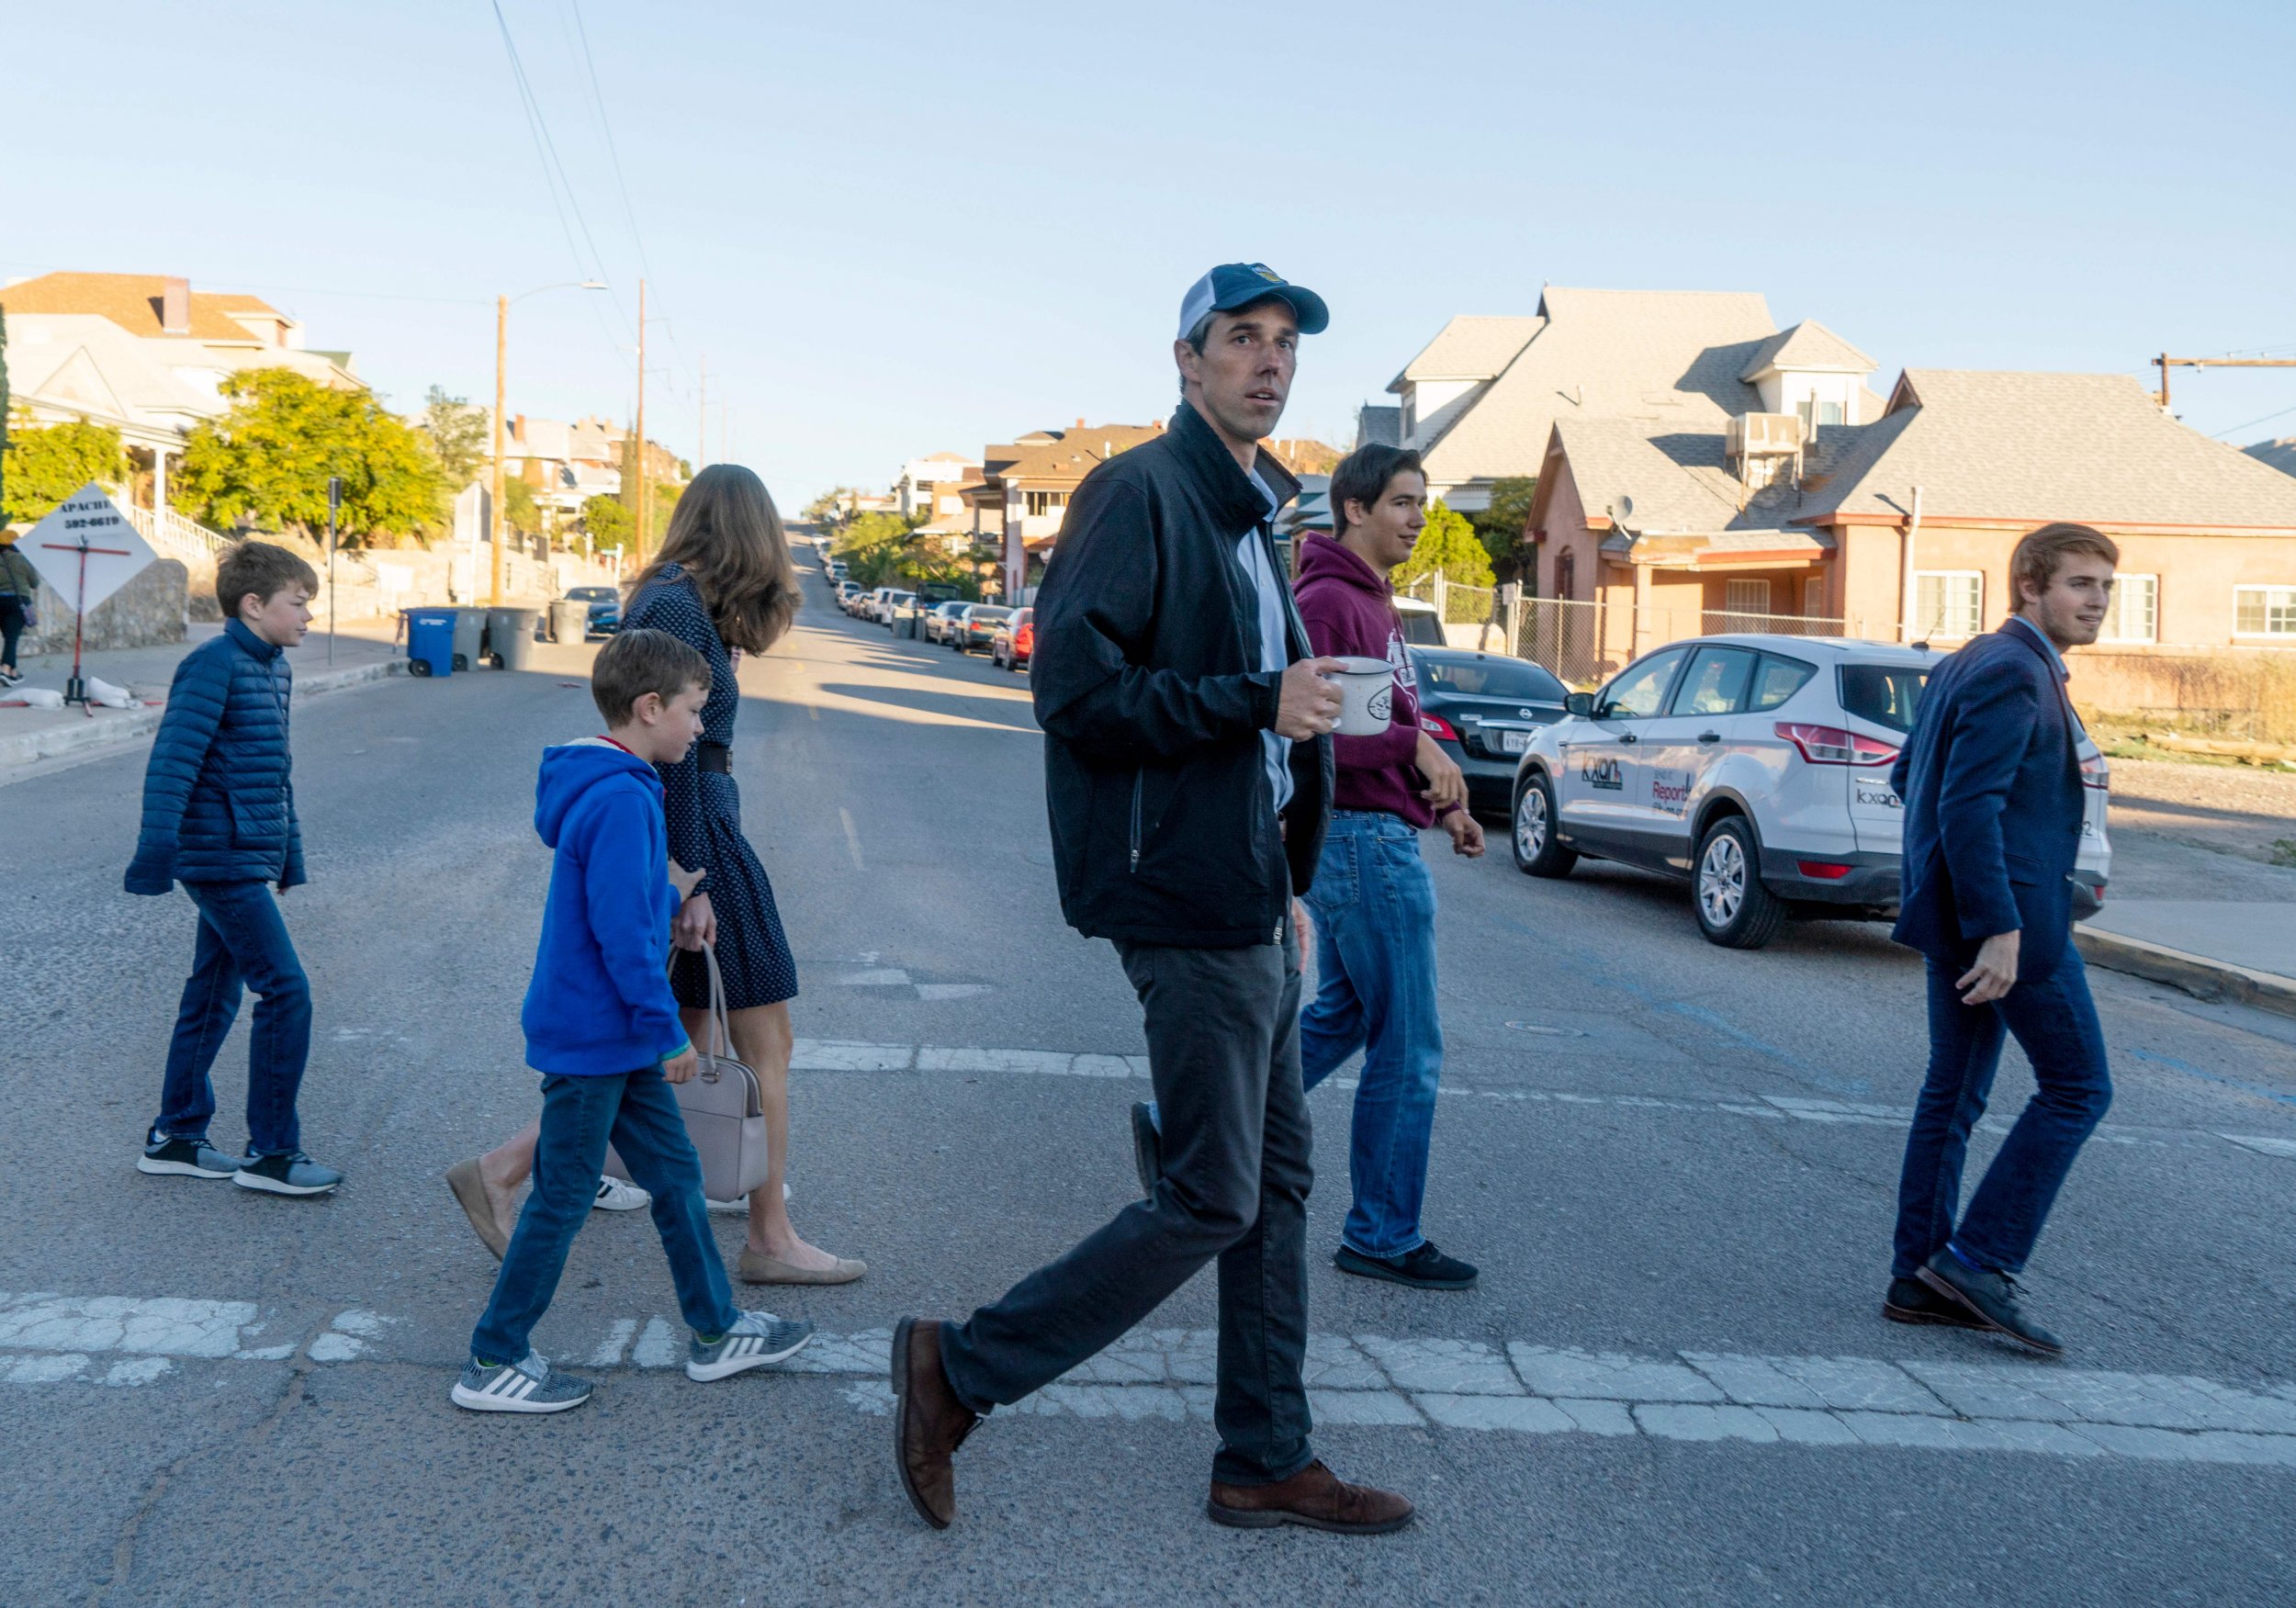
<point x="602" y="1027"/>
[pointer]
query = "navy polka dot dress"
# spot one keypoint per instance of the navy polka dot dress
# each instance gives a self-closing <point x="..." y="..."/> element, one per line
<point x="704" y="811"/>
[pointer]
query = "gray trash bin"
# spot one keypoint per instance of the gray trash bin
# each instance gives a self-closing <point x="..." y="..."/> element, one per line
<point x="469" y="628"/>
<point x="905" y="622"/>
<point x="569" y="620"/>
<point x="510" y="637"/>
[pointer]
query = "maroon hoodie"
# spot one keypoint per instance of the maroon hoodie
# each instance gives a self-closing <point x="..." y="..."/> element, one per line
<point x="1350" y="613"/>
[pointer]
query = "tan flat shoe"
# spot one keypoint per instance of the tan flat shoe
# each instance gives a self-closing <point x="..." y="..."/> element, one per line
<point x="756" y="1268"/>
<point x="470" y="1194"/>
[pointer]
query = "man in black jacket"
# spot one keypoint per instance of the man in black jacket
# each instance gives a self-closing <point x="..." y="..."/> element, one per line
<point x="1187" y="767"/>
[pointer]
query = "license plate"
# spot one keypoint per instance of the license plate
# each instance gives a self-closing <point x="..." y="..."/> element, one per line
<point x="1515" y="742"/>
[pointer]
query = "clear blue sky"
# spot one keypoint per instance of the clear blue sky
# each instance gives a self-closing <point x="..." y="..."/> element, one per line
<point x="895" y="228"/>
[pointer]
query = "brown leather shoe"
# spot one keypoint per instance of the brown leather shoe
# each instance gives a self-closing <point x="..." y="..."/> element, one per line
<point x="929" y="1422"/>
<point x="1314" y="1497"/>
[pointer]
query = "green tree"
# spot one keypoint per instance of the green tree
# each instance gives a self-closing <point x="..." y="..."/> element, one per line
<point x="457" y="435"/>
<point x="827" y="511"/>
<point x="1448" y="544"/>
<point x="1505" y="526"/>
<point x="521" y="512"/>
<point x="267" y="460"/>
<point x="608" y="522"/>
<point x="43" y="466"/>
<point x="876" y="547"/>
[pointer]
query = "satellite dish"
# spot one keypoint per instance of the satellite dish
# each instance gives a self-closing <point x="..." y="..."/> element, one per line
<point x="1625" y="507"/>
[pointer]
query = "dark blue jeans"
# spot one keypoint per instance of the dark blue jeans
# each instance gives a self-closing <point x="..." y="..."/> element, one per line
<point x="1374" y="906"/>
<point x="242" y="943"/>
<point x="2054" y="1022"/>
<point x="635" y="1112"/>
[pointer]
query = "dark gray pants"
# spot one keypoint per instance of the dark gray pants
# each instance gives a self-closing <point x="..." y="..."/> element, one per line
<point x="1223" y="1049"/>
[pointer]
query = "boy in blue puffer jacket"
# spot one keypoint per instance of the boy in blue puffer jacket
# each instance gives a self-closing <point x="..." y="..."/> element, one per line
<point x="603" y="1029"/>
<point x="218" y="817"/>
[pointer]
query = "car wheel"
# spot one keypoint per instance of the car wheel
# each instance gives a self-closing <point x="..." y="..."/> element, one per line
<point x="1733" y="908"/>
<point x="1538" y="852"/>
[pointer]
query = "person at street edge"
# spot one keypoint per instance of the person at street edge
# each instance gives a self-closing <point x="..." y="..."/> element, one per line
<point x="603" y="1029"/>
<point x="1992" y="786"/>
<point x="218" y="817"/>
<point x="1188" y="778"/>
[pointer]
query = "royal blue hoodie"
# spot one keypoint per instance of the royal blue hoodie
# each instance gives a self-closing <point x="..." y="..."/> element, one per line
<point x="600" y="1002"/>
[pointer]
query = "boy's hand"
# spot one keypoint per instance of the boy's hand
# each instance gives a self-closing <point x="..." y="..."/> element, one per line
<point x="681" y="879"/>
<point x="1466" y="833"/>
<point x="1446" y="783"/>
<point x="679" y="1067"/>
<point x="696" y="924"/>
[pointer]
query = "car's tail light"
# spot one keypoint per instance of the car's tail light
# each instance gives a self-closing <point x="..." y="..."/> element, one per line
<point x="1824" y="871"/>
<point x="1025" y="638"/>
<point x="1435" y="726"/>
<point x="1829" y="744"/>
<point x="2096" y="774"/>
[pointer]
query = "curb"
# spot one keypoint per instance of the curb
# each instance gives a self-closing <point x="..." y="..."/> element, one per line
<point x="118" y="728"/>
<point x="2196" y="974"/>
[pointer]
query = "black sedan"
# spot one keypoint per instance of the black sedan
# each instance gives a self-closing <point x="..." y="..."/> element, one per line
<point x="1482" y="708"/>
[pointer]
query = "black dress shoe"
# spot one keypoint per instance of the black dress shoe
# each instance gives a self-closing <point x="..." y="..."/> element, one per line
<point x="1911" y="1301"/>
<point x="1990" y="1296"/>
<point x="1422" y="1268"/>
<point x="1147" y="1148"/>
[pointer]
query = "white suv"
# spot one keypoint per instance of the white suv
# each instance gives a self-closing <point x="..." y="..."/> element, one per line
<point x="1757" y="768"/>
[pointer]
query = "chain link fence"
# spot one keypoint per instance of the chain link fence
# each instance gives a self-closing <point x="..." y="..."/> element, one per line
<point x="1583" y="642"/>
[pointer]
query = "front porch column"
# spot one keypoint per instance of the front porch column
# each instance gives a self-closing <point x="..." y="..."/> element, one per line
<point x="159" y="483"/>
<point x="1642" y="609"/>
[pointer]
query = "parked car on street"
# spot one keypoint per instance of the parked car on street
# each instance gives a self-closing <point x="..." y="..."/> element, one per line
<point x="977" y="627"/>
<point x="942" y="618"/>
<point x="1758" y="768"/>
<point x="1482" y="710"/>
<point x="605" y="607"/>
<point x="847" y="591"/>
<point x="1421" y="627"/>
<point x="891" y="601"/>
<point x="1014" y="640"/>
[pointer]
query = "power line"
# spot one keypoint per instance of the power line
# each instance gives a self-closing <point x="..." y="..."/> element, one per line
<point x="2252" y="423"/>
<point x="598" y="99"/>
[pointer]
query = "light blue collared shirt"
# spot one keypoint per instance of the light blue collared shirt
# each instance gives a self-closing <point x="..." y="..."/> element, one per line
<point x="1251" y="552"/>
<point x="2056" y="660"/>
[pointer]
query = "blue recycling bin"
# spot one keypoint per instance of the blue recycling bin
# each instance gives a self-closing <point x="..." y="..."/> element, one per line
<point x="430" y="641"/>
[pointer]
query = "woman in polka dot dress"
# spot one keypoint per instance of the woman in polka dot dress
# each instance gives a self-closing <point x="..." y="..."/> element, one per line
<point x="724" y="584"/>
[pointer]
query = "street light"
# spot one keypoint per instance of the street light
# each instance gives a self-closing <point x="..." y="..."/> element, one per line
<point x="501" y="348"/>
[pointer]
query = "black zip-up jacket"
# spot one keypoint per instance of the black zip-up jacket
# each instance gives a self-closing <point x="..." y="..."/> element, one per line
<point x="1146" y="680"/>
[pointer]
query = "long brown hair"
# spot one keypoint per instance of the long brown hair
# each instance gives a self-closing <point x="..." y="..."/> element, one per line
<point x="727" y="535"/>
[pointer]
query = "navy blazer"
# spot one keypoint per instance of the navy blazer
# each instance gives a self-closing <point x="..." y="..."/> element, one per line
<point x="218" y="801"/>
<point x="1991" y="781"/>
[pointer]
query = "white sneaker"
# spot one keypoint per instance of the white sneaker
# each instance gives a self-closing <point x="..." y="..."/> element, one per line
<point x="615" y="1194"/>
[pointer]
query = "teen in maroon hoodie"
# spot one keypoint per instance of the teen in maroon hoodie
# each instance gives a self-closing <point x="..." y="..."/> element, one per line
<point x="1372" y="900"/>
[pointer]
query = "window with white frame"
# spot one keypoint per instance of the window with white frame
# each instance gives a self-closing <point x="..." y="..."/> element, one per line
<point x="1746" y="597"/>
<point x="1046" y="501"/>
<point x="1814" y="596"/>
<point x="2264" y="611"/>
<point x="2134" y="614"/>
<point x="1948" y="603"/>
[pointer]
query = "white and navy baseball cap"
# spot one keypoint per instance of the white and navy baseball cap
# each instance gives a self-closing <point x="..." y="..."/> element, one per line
<point x="1234" y="285"/>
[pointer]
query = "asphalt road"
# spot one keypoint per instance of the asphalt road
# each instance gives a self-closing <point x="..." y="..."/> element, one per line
<point x="1675" y="1165"/>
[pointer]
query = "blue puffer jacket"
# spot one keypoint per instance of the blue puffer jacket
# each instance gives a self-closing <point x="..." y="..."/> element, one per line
<point x="218" y="805"/>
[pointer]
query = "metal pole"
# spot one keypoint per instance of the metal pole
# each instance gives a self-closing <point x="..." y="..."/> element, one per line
<point x="334" y="504"/>
<point x="702" y="392"/>
<point x="638" y="542"/>
<point x="1907" y="586"/>
<point x="494" y="509"/>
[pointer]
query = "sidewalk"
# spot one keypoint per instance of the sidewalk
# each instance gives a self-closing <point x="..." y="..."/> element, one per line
<point x="362" y="653"/>
<point x="2193" y="901"/>
<point x="2215" y="949"/>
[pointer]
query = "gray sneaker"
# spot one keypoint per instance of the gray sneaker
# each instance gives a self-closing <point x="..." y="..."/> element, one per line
<point x="755" y="1340"/>
<point x="177" y="1156"/>
<point x="518" y="1387"/>
<point x="294" y="1174"/>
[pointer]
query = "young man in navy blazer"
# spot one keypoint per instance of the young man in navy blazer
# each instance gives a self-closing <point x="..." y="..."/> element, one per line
<point x="1992" y="788"/>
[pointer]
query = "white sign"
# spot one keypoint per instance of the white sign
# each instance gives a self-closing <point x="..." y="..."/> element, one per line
<point x="86" y="550"/>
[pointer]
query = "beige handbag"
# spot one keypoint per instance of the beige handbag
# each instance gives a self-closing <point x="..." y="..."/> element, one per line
<point x="724" y="1107"/>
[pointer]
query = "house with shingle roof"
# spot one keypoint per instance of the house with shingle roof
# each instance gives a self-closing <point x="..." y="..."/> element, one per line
<point x="145" y="354"/>
<point x="1902" y="528"/>
<point x="1480" y="402"/>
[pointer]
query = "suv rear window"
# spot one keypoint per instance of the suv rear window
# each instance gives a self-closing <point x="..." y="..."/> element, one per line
<point x="1777" y="680"/>
<point x="1888" y="695"/>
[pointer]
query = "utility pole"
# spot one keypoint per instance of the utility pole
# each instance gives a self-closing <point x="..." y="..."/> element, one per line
<point x="638" y="542"/>
<point x="2165" y="362"/>
<point x="701" y="435"/>
<point x="494" y="508"/>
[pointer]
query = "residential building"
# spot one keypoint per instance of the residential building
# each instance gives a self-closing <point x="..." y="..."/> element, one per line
<point x="1022" y="493"/>
<point x="931" y="486"/>
<point x="2281" y="453"/>
<point x="1480" y="402"/>
<point x="147" y="355"/>
<point x="1902" y="528"/>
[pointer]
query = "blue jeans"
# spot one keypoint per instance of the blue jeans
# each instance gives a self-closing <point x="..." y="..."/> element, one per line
<point x="242" y="943"/>
<point x="2056" y="1024"/>
<point x="1374" y="907"/>
<point x="636" y="1113"/>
